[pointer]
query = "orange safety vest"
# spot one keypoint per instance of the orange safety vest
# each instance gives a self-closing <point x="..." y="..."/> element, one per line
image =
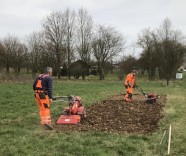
<point x="39" y="81"/>
<point x="130" y="79"/>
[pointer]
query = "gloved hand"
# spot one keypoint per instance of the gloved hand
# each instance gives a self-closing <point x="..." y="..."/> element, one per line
<point x="50" y="101"/>
<point x="126" y="86"/>
<point x="129" y="85"/>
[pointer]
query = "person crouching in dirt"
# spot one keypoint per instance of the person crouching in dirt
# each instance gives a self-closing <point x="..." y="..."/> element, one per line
<point x="129" y="85"/>
<point x="43" y="93"/>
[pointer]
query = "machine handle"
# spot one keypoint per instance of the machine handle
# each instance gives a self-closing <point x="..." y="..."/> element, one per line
<point x="140" y="90"/>
<point x="68" y="98"/>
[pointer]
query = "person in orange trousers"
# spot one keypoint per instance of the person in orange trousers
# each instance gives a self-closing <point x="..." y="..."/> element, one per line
<point x="129" y="85"/>
<point x="43" y="93"/>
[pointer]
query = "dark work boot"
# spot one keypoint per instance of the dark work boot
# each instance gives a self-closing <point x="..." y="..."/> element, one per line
<point x="49" y="126"/>
<point x="130" y="96"/>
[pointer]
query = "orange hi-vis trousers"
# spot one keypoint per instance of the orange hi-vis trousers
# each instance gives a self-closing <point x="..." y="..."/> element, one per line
<point x="128" y="96"/>
<point x="44" y="106"/>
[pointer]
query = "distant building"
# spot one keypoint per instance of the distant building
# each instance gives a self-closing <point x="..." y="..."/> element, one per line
<point x="79" y="68"/>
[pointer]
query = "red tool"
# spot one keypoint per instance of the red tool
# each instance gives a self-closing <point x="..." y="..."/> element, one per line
<point x="74" y="113"/>
<point x="151" y="97"/>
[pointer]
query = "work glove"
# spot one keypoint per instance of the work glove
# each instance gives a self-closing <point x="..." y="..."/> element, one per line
<point x="50" y="101"/>
<point x="129" y="85"/>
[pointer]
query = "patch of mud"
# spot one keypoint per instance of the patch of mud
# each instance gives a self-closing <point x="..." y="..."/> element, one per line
<point x="116" y="115"/>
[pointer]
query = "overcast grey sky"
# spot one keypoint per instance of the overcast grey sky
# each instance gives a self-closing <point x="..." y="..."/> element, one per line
<point x="22" y="17"/>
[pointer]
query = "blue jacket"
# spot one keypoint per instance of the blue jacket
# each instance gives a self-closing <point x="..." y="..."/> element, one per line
<point x="46" y="84"/>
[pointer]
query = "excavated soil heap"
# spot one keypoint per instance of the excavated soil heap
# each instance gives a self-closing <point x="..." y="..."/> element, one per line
<point x="116" y="115"/>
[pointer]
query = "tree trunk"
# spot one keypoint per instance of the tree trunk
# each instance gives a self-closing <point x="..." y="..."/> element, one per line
<point x="69" y="73"/>
<point x="58" y="72"/>
<point x="7" y="68"/>
<point x="83" y="76"/>
<point x="27" y="70"/>
<point x="33" y="73"/>
<point x="69" y="52"/>
<point x="167" y="82"/>
<point x="101" y="74"/>
<point x="18" y="70"/>
<point x="101" y="77"/>
<point x="58" y="64"/>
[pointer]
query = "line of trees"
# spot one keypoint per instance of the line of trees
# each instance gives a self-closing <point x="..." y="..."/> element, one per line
<point x="163" y="52"/>
<point x="65" y="37"/>
<point x="69" y="36"/>
<point x="12" y="54"/>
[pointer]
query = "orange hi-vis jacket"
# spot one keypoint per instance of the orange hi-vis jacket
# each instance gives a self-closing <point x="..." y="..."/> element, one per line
<point x="130" y="80"/>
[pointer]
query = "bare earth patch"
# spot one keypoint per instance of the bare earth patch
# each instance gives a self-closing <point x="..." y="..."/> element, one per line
<point x="116" y="115"/>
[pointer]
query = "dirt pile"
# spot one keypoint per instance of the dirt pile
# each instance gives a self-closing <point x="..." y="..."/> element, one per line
<point x="116" y="115"/>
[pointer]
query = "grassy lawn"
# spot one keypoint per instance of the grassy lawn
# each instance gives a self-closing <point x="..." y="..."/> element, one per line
<point x="21" y="133"/>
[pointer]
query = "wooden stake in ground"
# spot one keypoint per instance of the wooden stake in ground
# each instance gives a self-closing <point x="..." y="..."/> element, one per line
<point x="169" y="139"/>
<point x="162" y="137"/>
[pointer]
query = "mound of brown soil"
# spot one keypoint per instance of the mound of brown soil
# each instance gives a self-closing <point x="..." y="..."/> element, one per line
<point x="116" y="115"/>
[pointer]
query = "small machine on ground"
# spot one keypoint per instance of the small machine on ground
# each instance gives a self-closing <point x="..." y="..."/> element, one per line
<point x="74" y="113"/>
<point x="151" y="97"/>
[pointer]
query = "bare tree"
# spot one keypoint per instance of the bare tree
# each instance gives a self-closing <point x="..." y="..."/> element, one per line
<point x="127" y="64"/>
<point x="35" y="49"/>
<point x="172" y="49"/>
<point x="148" y="58"/>
<point x="162" y="49"/>
<point x="8" y="53"/>
<point x="14" y="51"/>
<point x="70" y="28"/>
<point x="54" y="28"/>
<point x="106" y="44"/>
<point x="84" y="35"/>
<point x="2" y="55"/>
<point x="19" y="57"/>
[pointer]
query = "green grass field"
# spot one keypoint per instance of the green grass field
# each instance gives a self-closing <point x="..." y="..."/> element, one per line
<point x="22" y="134"/>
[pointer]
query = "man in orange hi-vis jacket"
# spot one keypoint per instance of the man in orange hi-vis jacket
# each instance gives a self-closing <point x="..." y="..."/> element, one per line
<point x="129" y="85"/>
<point x="43" y="93"/>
